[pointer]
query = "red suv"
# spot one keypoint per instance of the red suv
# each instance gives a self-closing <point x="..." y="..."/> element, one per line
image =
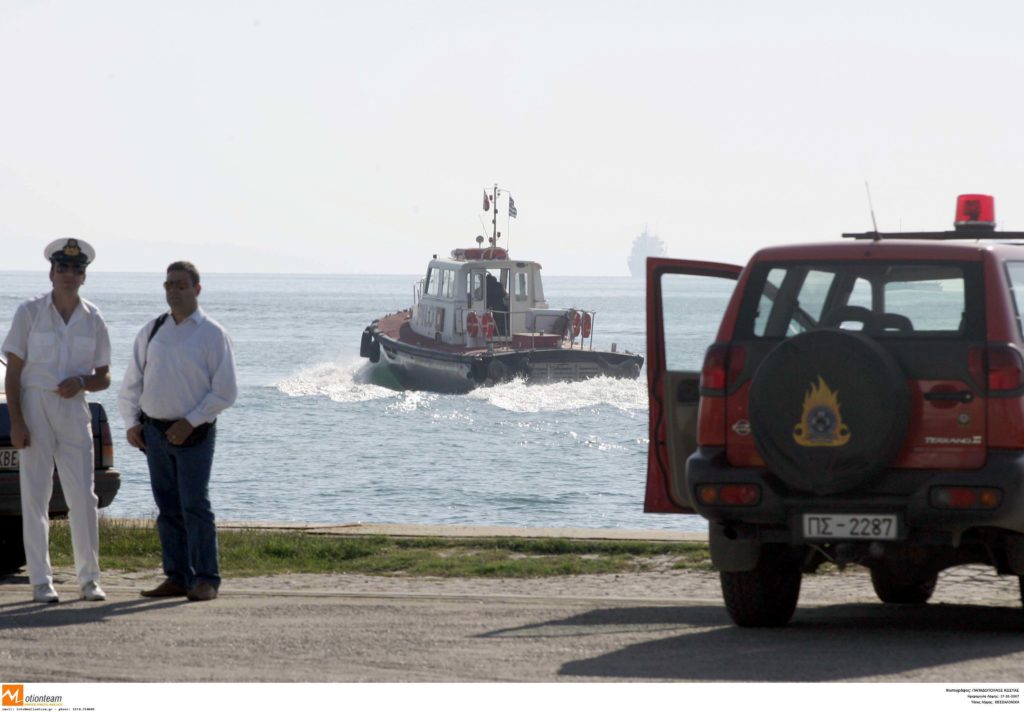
<point x="863" y="402"/>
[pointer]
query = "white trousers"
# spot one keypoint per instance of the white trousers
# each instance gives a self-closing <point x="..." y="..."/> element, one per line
<point x="60" y="431"/>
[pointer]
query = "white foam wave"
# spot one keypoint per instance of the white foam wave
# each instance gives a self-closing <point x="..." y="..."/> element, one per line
<point x="517" y="396"/>
<point x="410" y="401"/>
<point x="341" y="382"/>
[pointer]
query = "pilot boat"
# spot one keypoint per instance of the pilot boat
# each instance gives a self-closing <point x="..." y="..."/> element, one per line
<point x="479" y="317"/>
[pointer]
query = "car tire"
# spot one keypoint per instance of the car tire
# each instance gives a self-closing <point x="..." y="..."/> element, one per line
<point x="12" y="546"/>
<point x="766" y="596"/>
<point x="903" y="587"/>
<point x="828" y="410"/>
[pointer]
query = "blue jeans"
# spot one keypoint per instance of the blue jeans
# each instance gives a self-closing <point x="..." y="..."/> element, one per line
<point x="180" y="478"/>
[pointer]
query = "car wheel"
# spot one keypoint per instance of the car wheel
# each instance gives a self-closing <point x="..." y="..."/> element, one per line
<point x="828" y="410"/>
<point x="766" y="596"/>
<point x="12" y="546"/>
<point x="907" y="587"/>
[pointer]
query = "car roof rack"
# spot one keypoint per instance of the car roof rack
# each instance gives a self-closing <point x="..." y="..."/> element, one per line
<point x="968" y="234"/>
<point x="975" y="220"/>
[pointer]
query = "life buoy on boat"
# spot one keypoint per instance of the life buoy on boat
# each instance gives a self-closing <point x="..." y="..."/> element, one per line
<point x="588" y="324"/>
<point x="487" y="325"/>
<point x="576" y="321"/>
<point x="472" y="324"/>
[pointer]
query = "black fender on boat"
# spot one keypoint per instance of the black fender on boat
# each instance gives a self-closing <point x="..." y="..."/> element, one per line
<point x="629" y="368"/>
<point x="369" y="347"/>
<point x="497" y="371"/>
<point x="521" y="368"/>
<point x="477" y="371"/>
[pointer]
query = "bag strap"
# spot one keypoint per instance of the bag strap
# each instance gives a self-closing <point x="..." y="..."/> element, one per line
<point x="152" y="332"/>
<point x="156" y="327"/>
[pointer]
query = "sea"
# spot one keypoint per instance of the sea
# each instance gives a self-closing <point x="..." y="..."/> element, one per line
<point x="320" y="435"/>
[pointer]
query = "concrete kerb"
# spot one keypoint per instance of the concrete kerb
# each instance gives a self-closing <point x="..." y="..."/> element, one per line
<point x="458" y="531"/>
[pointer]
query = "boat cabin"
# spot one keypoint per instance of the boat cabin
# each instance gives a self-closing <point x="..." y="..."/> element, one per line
<point x="479" y="296"/>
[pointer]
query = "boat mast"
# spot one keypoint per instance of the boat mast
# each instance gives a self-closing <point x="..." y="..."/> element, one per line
<point x="494" y="218"/>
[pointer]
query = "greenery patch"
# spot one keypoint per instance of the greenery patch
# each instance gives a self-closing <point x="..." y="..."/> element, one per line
<point x="131" y="546"/>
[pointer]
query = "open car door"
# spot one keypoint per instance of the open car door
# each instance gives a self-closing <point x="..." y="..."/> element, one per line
<point x="685" y="304"/>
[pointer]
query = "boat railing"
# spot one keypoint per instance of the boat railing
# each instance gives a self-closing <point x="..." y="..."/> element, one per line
<point x="503" y="334"/>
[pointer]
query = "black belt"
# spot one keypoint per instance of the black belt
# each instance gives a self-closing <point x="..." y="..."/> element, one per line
<point x="164" y="425"/>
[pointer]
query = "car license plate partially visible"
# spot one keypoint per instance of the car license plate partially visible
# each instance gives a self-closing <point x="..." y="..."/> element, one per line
<point x="8" y="458"/>
<point x="851" y="526"/>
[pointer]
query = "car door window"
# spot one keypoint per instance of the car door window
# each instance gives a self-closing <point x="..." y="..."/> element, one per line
<point x="692" y="308"/>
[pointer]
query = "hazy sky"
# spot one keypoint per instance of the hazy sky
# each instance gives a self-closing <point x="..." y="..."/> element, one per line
<point x="358" y="137"/>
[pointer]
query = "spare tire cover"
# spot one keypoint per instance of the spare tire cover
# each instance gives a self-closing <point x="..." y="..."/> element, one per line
<point x="829" y="410"/>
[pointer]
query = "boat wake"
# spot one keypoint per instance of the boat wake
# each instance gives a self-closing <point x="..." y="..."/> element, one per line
<point x="353" y="382"/>
<point x="358" y="382"/>
<point x="629" y="395"/>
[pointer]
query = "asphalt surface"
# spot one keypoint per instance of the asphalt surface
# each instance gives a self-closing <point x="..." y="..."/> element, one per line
<point x="664" y="625"/>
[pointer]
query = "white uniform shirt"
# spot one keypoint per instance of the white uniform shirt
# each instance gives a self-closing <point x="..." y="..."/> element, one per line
<point x="52" y="350"/>
<point x="189" y="372"/>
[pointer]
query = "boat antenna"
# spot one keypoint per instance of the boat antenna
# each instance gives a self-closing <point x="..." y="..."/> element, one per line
<point x="871" y="207"/>
<point x="491" y="203"/>
<point x="494" y="218"/>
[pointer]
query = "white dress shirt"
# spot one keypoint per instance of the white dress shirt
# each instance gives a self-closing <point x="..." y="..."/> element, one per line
<point x="189" y="372"/>
<point x="52" y="350"/>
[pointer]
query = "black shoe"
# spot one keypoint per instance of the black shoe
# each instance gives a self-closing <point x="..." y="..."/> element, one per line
<point x="202" y="591"/>
<point x="166" y="589"/>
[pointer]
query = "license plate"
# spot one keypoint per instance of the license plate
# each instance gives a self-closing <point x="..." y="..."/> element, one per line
<point x="8" y="458"/>
<point x="850" y="526"/>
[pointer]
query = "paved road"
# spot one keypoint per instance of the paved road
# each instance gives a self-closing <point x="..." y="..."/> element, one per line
<point x="350" y="628"/>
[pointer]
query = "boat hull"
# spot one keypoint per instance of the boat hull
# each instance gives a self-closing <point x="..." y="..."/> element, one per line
<point x="419" y="367"/>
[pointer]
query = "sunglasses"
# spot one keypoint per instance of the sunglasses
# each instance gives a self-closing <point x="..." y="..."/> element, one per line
<point x="180" y="284"/>
<point x="63" y="267"/>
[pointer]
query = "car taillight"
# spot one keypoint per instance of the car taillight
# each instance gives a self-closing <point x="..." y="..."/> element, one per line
<point x="723" y="365"/>
<point x="743" y="495"/>
<point x="966" y="497"/>
<point x="1004" y="368"/>
<point x="107" y="443"/>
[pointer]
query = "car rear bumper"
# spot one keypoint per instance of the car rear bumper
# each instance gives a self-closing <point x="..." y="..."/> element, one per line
<point x="107" y="484"/>
<point x="905" y="493"/>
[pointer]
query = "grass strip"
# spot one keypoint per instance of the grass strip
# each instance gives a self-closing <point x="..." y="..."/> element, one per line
<point x="131" y="546"/>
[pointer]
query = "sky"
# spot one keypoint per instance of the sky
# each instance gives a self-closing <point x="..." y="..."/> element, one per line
<point x="359" y="137"/>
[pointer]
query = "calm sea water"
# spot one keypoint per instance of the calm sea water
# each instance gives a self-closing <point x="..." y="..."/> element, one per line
<point x="317" y="434"/>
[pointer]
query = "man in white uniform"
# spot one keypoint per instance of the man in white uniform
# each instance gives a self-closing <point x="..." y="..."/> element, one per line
<point x="57" y="349"/>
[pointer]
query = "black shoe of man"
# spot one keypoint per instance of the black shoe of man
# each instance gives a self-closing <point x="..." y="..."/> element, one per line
<point x="203" y="591"/>
<point x="165" y="590"/>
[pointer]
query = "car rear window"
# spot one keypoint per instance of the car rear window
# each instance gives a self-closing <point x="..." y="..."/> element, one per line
<point x="1015" y="270"/>
<point x="893" y="299"/>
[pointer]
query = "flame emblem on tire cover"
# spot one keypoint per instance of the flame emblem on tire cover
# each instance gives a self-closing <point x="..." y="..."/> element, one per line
<point x="821" y="424"/>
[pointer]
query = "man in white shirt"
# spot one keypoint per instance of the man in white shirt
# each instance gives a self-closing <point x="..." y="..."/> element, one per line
<point x="181" y="376"/>
<point x="57" y="349"/>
